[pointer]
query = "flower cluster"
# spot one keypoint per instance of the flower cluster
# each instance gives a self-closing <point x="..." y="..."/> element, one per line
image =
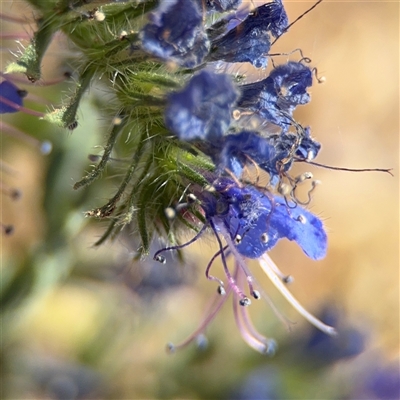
<point x="193" y="131"/>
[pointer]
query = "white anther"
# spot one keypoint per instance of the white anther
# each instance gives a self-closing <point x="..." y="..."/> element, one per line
<point x="170" y="213"/>
<point x="99" y="16"/>
<point x="302" y="219"/>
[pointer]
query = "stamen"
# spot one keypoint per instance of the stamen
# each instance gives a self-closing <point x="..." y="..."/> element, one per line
<point x="45" y="147"/>
<point x="264" y="238"/>
<point x="257" y="342"/>
<point x="245" y="301"/>
<point x="23" y="109"/>
<point x="236" y="114"/>
<point x="170" y="213"/>
<point x="297" y="19"/>
<point x="301" y="178"/>
<point x="267" y="265"/>
<point x="387" y="170"/>
<point x="284" y="189"/>
<point x="240" y="262"/>
<point x="181" y="246"/>
<point x="285" y="278"/>
<point x="221" y="288"/>
<point x="302" y="219"/>
<point x="216" y="305"/>
<point x="271" y="345"/>
<point x="160" y="259"/>
<point x="238" y="239"/>
<point x="310" y="156"/>
<point x="248" y="325"/>
<point x="191" y="198"/>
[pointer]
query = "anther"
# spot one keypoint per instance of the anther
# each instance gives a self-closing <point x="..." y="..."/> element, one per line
<point x="264" y="238"/>
<point x="256" y="294"/>
<point x="270" y="347"/>
<point x="236" y="114"/>
<point x="310" y="155"/>
<point x="117" y="121"/>
<point x="287" y="279"/>
<point x="284" y="189"/>
<point x="170" y="348"/>
<point x="245" y="302"/>
<point x="301" y="178"/>
<point x="191" y="198"/>
<point x="46" y="147"/>
<point x="302" y="219"/>
<point x="161" y="259"/>
<point x="315" y="183"/>
<point x="99" y="16"/>
<point x="201" y="342"/>
<point x="221" y="290"/>
<point x="170" y="213"/>
<point x="238" y="239"/>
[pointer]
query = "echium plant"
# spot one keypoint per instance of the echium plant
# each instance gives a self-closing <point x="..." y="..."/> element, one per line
<point x="198" y="136"/>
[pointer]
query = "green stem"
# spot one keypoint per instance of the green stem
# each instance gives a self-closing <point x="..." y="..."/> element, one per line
<point x="92" y="176"/>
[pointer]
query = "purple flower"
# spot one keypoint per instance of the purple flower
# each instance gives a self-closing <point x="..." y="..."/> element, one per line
<point x="9" y="95"/>
<point x="202" y="110"/>
<point x="276" y="97"/>
<point x="251" y="222"/>
<point x="176" y="33"/>
<point x="261" y="219"/>
<point x="325" y="349"/>
<point x="383" y="382"/>
<point x="267" y="152"/>
<point x="273" y="153"/>
<point x="252" y="36"/>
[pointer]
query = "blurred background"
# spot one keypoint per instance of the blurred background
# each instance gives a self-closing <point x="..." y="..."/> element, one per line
<point x="80" y="322"/>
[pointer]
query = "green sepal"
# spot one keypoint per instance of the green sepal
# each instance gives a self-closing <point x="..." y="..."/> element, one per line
<point x="65" y="117"/>
<point x="30" y="61"/>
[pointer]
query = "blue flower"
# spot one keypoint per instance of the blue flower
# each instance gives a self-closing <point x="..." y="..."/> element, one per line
<point x="251" y="221"/>
<point x="202" y="110"/>
<point x="383" y="381"/>
<point x="325" y="349"/>
<point x="260" y="220"/>
<point x="10" y="97"/>
<point x="276" y="97"/>
<point x="274" y="153"/>
<point x="252" y="36"/>
<point x="176" y="33"/>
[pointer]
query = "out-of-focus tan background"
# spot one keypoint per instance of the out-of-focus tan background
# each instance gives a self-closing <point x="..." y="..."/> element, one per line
<point x="103" y="325"/>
